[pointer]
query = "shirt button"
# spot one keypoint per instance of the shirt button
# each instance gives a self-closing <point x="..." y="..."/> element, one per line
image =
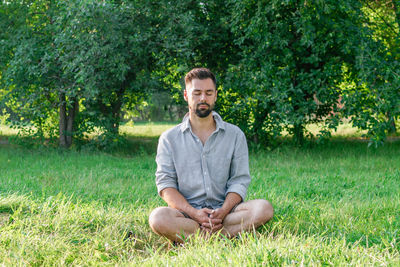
<point x="205" y="173"/>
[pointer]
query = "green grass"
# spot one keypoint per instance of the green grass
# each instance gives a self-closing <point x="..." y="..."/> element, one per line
<point x="345" y="129"/>
<point x="6" y="131"/>
<point x="149" y="129"/>
<point x="336" y="204"/>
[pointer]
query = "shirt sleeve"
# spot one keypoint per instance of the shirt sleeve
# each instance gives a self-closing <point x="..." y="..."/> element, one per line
<point x="166" y="172"/>
<point x="239" y="179"/>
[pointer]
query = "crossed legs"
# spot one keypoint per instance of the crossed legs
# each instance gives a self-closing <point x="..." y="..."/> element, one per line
<point x="174" y="225"/>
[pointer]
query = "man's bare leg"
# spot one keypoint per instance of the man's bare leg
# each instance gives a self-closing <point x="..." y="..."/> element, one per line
<point x="247" y="215"/>
<point x="172" y="224"/>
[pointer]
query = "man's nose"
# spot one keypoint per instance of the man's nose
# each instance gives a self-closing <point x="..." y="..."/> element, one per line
<point x="203" y="96"/>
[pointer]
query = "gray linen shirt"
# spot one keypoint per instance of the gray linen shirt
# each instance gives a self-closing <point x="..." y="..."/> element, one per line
<point x="204" y="175"/>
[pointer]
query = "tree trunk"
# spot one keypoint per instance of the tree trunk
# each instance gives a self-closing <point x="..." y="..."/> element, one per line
<point x="298" y="134"/>
<point x="393" y="128"/>
<point x="116" y="112"/>
<point x="392" y="123"/>
<point x="171" y="112"/>
<point x="63" y="120"/>
<point x="67" y="119"/>
<point x="70" y="128"/>
<point x="260" y="115"/>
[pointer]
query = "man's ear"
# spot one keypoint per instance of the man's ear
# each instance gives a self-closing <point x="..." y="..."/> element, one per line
<point x="185" y="95"/>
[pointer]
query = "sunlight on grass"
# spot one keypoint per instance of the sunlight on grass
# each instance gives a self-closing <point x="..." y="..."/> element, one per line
<point x="149" y="129"/>
<point x="7" y="131"/>
<point x="345" y="129"/>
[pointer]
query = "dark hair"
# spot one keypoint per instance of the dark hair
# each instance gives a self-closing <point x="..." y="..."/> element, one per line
<point x="201" y="74"/>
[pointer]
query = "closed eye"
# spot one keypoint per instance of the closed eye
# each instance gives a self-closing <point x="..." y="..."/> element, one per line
<point x="209" y="92"/>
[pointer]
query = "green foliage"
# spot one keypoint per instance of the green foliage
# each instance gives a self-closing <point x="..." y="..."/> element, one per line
<point x="107" y="141"/>
<point x="80" y="61"/>
<point x="292" y="54"/>
<point x="34" y="77"/>
<point x="71" y="67"/>
<point x="373" y="100"/>
<point x="109" y="48"/>
<point x="195" y="33"/>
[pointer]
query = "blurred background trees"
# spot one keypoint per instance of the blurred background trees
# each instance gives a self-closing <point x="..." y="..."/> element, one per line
<point x="71" y="67"/>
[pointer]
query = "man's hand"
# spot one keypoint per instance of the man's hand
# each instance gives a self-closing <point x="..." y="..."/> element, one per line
<point x="219" y="214"/>
<point x="206" y="221"/>
<point x="215" y="215"/>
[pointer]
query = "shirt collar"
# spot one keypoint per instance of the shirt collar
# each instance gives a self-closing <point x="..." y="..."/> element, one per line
<point x="218" y="122"/>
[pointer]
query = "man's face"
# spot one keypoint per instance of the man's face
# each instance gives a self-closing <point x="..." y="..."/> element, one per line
<point x="201" y="96"/>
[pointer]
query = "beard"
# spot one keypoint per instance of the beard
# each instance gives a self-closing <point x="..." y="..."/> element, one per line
<point x="202" y="113"/>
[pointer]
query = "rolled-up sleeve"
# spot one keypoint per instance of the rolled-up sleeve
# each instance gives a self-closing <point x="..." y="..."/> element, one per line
<point x="239" y="179"/>
<point x="166" y="172"/>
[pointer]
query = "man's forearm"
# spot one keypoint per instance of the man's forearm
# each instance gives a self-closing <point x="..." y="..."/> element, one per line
<point x="231" y="200"/>
<point x="177" y="201"/>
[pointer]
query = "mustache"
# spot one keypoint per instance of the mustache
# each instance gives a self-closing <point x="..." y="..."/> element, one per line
<point x="199" y="104"/>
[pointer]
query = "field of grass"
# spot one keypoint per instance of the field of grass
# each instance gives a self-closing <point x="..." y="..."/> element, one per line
<point x="335" y="204"/>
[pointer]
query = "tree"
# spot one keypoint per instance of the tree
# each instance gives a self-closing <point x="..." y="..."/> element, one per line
<point x="377" y="70"/>
<point x="67" y="55"/>
<point x="292" y="55"/>
<point x="114" y="45"/>
<point x="33" y="73"/>
<point x="77" y="65"/>
<point x="372" y="91"/>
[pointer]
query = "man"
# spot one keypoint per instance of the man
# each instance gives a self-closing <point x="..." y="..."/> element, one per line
<point x="202" y="171"/>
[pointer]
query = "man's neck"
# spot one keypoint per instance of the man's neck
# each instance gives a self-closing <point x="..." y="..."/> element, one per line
<point x="203" y="127"/>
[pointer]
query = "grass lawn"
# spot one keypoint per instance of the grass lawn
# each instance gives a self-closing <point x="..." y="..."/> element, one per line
<point x="335" y="204"/>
